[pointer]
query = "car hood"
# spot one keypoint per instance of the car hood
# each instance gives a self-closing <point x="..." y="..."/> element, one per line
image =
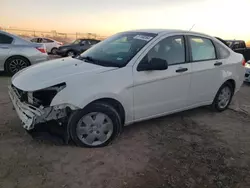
<point x="53" y="72"/>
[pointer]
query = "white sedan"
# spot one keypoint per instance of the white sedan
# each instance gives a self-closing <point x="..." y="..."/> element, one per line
<point x="129" y="77"/>
<point x="50" y="44"/>
<point x="247" y="75"/>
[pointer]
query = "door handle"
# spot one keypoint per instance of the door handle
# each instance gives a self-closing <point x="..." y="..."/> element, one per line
<point x="218" y="63"/>
<point x="181" y="70"/>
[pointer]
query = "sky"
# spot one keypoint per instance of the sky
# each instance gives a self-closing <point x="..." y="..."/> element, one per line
<point x="227" y="19"/>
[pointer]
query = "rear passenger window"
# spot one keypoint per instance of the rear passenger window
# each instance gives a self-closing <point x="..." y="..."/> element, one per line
<point x="241" y="45"/>
<point x="4" y="39"/>
<point x="223" y="53"/>
<point x="34" y="40"/>
<point x="201" y="49"/>
<point x="47" y="40"/>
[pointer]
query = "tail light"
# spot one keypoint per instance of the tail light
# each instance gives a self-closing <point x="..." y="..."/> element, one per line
<point x="41" y="49"/>
<point x="243" y="62"/>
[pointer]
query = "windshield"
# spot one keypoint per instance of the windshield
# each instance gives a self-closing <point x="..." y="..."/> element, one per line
<point x="117" y="50"/>
<point x="76" y="41"/>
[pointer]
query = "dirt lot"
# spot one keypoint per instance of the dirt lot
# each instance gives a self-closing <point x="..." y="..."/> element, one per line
<point x="196" y="148"/>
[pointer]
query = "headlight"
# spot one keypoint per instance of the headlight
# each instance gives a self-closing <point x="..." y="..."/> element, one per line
<point x="45" y="96"/>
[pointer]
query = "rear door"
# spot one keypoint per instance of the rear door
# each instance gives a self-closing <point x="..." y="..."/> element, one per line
<point x="5" y="48"/>
<point x="49" y="44"/>
<point x="207" y="72"/>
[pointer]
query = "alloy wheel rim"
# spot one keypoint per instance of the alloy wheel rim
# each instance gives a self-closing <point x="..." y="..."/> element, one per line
<point x="54" y="51"/>
<point x="16" y="65"/>
<point x="94" y="128"/>
<point x="70" y="54"/>
<point x="224" y="97"/>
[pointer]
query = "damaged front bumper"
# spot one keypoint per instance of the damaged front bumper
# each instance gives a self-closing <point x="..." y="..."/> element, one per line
<point x="31" y="115"/>
<point x="25" y="112"/>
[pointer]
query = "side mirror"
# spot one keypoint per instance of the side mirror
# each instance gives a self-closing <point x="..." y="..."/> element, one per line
<point x="154" y="64"/>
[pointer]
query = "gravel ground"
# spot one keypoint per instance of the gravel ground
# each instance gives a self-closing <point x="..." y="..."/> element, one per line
<point x="196" y="148"/>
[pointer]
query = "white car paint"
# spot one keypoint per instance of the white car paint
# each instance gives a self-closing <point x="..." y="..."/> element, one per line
<point x="143" y="95"/>
<point x="48" y="43"/>
<point x="247" y="75"/>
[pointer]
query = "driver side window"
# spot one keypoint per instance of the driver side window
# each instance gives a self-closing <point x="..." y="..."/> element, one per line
<point x="170" y="49"/>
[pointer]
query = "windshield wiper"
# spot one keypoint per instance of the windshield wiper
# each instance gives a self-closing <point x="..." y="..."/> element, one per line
<point x="89" y="59"/>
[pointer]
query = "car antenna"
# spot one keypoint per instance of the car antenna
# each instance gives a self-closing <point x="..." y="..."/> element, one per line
<point x="191" y="27"/>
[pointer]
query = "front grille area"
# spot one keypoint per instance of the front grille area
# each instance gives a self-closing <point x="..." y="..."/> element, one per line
<point x="22" y="95"/>
<point x="43" y="97"/>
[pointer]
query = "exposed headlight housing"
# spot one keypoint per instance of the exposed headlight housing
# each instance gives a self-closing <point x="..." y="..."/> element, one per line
<point x="45" y="96"/>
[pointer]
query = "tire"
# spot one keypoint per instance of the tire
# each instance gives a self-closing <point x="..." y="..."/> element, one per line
<point x="217" y="103"/>
<point x="70" y="53"/>
<point x="82" y="122"/>
<point x="15" y="64"/>
<point x="54" y="51"/>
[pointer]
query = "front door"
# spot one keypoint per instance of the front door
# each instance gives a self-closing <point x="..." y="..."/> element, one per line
<point x="160" y="92"/>
<point x="84" y="45"/>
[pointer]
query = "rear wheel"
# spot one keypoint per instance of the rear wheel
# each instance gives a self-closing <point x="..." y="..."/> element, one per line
<point x="223" y="97"/>
<point x="94" y="126"/>
<point x="15" y="64"/>
<point x="54" y="51"/>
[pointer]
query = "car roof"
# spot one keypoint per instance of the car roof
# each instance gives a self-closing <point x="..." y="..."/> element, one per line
<point x="44" y="38"/>
<point x="156" y="31"/>
<point x="235" y="40"/>
<point x="167" y="31"/>
<point x="17" y="39"/>
<point x="85" y="39"/>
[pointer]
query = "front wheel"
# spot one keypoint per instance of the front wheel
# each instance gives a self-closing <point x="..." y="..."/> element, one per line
<point x="223" y="97"/>
<point x="71" y="53"/>
<point x="94" y="126"/>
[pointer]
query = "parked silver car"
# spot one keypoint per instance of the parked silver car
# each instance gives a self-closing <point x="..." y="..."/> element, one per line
<point x="17" y="53"/>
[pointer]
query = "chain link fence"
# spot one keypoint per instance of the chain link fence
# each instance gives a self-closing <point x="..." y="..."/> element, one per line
<point x="62" y="37"/>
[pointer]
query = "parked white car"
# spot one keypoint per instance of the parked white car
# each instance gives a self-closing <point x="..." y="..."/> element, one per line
<point x="129" y="77"/>
<point x="50" y="44"/>
<point x="247" y="74"/>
